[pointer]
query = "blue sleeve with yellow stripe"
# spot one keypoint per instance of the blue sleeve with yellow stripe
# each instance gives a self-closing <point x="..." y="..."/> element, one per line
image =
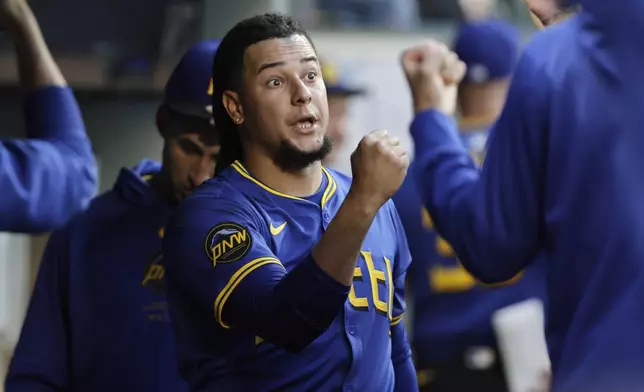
<point x="217" y="254"/>
<point x="489" y="216"/>
<point x="401" y="359"/>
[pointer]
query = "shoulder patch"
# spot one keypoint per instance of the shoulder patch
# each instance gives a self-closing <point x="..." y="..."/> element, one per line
<point x="227" y="242"/>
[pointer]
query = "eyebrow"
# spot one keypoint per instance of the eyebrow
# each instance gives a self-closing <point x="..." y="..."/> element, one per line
<point x="280" y="63"/>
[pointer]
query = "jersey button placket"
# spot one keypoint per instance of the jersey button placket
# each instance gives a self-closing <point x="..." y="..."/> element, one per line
<point x="326" y="217"/>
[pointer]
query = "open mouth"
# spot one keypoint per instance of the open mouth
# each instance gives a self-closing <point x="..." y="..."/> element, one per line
<point x="306" y="122"/>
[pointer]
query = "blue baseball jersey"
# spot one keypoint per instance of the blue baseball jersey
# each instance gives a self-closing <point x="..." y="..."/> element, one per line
<point x="98" y="318"/>
<point x="562" y="181"/>
<point x="247" y="300"/>
<point x="51" y="175"/>
<point x="452" y="310"/>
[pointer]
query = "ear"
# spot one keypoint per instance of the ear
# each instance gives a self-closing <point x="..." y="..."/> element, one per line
<point x="162" y="120"/>
<point x="233" y="105"/>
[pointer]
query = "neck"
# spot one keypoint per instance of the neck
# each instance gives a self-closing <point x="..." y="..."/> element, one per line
<point x="301" y="183"/>
<point x="482" y="103"/>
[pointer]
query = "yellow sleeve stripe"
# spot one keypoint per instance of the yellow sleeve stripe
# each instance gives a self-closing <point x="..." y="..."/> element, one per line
<point x="396" y="320"/>
<point x="235" y="280"/>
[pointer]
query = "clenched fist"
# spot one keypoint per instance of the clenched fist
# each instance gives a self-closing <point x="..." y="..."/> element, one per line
<point x="10" y="10"/>
<point x="433" y="73"/>
<point x="379" y="166"/>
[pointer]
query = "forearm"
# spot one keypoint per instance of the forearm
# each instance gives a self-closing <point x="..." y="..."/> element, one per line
<point x="288" y="309"/>
<point x="337" y="251"/>
<point x="36" y="65"/>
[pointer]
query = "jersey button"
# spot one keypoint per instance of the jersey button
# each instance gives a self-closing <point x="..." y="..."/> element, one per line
<point x="352" y="330"/>
<point x="326" y="215"/>
<point x="349" y="389"/>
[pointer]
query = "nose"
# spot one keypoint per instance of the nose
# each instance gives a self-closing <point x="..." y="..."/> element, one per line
<point x="301" y="93"/>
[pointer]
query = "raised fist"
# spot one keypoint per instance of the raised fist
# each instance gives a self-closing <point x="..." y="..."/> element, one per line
<point x="379" y="166"/>
<point x="10" y="10"/>
<point x="433" y="73"/>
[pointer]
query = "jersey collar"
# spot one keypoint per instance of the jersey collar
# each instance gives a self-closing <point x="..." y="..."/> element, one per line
<point x="329" y="191"/>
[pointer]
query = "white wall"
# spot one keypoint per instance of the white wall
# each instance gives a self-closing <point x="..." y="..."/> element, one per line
<point x="373" y="59"/>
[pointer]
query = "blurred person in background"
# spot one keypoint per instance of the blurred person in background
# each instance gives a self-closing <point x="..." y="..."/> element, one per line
<point x="98" y="319"/>
<point x="453" y="340"/>
<point x="51" y="175"/>
<point x="561" y="179"/>
<point x="339" y="93"/>
<point x="305" y="267"/>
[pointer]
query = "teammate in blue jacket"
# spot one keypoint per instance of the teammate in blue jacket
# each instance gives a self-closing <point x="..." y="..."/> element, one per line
<point x="561" y="180"/>
<point x="283" y="275"/>
<point x="98" y="317"/>
<point x="453" y="341"/>
<point x="52" y="174"/>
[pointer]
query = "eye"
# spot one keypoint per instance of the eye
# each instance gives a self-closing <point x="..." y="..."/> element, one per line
<point x="274" y="83"/>
<point x="311" y="76"/>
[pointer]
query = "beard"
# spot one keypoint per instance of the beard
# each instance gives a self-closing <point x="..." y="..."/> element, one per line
<point x="291" y="159"/>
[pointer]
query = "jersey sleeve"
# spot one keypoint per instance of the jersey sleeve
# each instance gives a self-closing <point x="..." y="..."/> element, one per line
<point x="40" y="359"/>
<point x="490" y="216"/>
<point x="401" y="265"/>
<point x="51" y="175"/>
<point x="216" y="249"/>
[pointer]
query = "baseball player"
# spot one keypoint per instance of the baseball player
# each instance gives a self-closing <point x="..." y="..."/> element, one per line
<point x="454" y="344"/>
<point x="561" y="180"/>
<point x="98" y="318"/>
<point x="283" y="275"/>
<point x="340" y="92"/>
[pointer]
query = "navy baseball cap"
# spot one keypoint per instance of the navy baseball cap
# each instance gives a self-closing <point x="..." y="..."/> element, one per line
<point x="490" y="49"/>
<point x="189" y="88"/>
<point x="336" y="82"/>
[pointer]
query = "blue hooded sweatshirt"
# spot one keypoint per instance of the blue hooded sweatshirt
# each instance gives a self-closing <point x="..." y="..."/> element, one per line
<point x="98" y="320"/>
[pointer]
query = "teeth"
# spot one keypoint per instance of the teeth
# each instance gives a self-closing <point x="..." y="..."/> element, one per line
<point x="305" y="124"/>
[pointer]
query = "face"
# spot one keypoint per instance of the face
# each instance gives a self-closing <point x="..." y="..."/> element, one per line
<point x="189" y="156"/>
<point x="282" y="106"/>
<point x="338" y="120"/>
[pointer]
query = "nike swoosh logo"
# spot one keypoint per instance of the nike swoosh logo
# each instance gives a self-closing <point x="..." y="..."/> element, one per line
<point x="278" y="229"/>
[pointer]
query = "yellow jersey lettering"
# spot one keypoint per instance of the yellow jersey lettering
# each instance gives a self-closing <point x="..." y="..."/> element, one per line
<point x="229" y="245"/>
<point x="428" y="224"/>
<point x="210" y="89"/>
<point x="376" y="277"/>
<point x="443" y="248"/>
<point x="155" y="272"/>
<point x="450" y="279"/>
<point x="361" y="303"/>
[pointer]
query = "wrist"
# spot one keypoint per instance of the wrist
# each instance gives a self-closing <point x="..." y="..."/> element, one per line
<point x="361" y="205"/>
<point x="422" y="105"/>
